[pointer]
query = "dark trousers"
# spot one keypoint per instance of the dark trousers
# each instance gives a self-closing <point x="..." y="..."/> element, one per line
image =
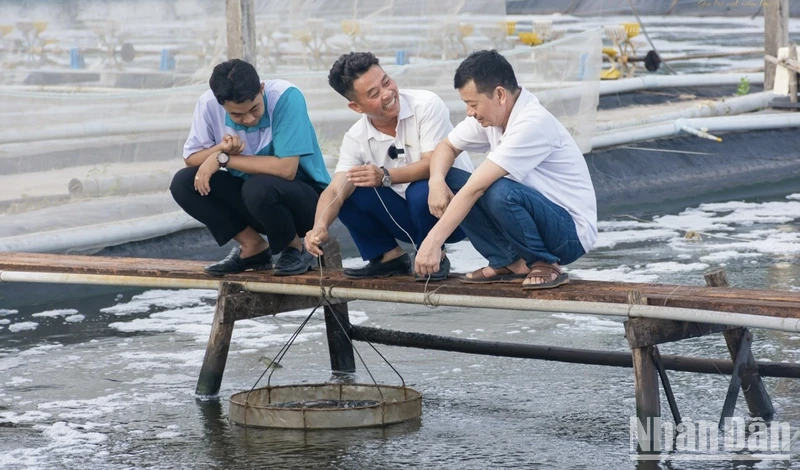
<point x="371" y="225"/>
<point x="273" y="206"/>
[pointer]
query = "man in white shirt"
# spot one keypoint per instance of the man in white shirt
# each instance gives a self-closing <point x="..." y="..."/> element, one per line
<point x="530" y="206"/>
<point x="379" y="189"/>
<point x="253" y="166"/>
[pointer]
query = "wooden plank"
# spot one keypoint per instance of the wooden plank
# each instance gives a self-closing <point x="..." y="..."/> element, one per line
<point x="646" y="332"/>
<point x="751" y="301"/>
<point x="736" y="379"/>
<point x="337" y="320"/>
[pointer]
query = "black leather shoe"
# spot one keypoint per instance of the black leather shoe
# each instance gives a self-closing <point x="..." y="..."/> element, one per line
<point x="293" y="261"/>
<point x="397" y="267"/>
<point x="234" y="263"/>
<point x="440" y="275"/>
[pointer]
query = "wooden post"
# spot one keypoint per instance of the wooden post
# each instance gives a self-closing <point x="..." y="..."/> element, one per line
<point x="241" y="30"/>
<point x="645" y="383"/>
<point x="337" y="319"/>
<point x="792" y="74"/>
<point x="776" y="35"/>
<point x="755" y="393"/>
<point x="218" y="342"/>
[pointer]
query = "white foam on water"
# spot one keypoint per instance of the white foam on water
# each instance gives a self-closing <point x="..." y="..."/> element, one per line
<point x="668" y="267"/>
<point x="168" y="435"/>
<point x="41" y="350"/>
<point x="5" y="311"/>
<point x="26" y="417"/>
<point x="5" y="321"/>
<point x="22" y="326"/>
<point x="55" y="313"/>
<point x="619" y="274"/>
<point x="89" y="408"/>
<point x="17" y="381"/>
<point x="166" y="379"/>
<point x="589" y="323"/>
<point x="614" y="238"/>
<point x="159" y="298"/>
<point x="513" y="332"/>
<point x="68" y="438"/>
<point x="193" y="358"/>
<point x="726" y="255"/>
<point x="75" y="318"/>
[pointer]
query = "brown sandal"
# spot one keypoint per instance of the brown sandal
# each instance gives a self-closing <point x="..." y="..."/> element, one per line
<point x="501" y="275"/>
<point x="544" y="270"/>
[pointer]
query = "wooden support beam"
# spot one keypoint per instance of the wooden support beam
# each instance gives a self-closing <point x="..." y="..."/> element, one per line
<point x="218" y="342"/>
<point x="662" y="373"/>
<point x="241" y="30"/>
<point x="736" y="379"/>
<point x="645" y="383"/>
<point x="776" y="35"/>
<point x="337" y="319"/>
<point x="755" y="393"/>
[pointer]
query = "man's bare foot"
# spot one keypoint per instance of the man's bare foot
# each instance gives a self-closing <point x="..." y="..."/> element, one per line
<point x="517" y="267"/>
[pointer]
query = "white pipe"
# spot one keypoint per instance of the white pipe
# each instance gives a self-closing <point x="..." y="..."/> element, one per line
<point x="746" y="122"/>
<point x="727" y="107"/>
<point x="99" y="236"/>
<point x="791" y="325"/>
<point x="608" y="87"/>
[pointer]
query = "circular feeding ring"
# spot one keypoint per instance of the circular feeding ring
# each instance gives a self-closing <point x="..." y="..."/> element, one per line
<point x="325" y="406"/>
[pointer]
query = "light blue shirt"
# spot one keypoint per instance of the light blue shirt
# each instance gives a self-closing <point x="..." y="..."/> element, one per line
<point x="285" y="130"/>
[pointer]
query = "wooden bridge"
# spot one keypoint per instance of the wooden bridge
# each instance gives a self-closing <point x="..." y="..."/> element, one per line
<point x="655" y="314"/>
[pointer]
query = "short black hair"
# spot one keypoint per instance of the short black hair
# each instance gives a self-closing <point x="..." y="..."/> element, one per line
<point x="347" y="69"/>
<point x="234" y="80"/>
<point x="488" y="70"/>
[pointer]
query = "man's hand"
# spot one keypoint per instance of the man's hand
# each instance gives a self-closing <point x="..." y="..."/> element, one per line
<point x="365" y="176"/>
<point x="428" y="258"/>
<point x="232" y="145"/>
<point x="439" y="197"/>
<point x="314" y="238"/>
<point x="203" y="178"/>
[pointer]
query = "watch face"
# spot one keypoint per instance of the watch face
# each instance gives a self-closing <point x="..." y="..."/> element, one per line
<point x="223" y="158"/>
<point x="387" y="181"/>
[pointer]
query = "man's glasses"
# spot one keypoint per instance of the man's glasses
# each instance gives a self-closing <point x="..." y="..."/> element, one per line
<point x="394" y="152"/>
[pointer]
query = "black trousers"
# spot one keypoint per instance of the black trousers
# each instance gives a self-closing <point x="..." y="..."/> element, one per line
<point x="273" y="206"/>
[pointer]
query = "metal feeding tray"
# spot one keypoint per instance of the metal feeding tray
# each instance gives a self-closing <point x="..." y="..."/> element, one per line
<point x="325" y="406"/>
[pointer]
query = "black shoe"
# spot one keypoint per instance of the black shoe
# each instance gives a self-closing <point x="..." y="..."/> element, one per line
<point x="293" y="261"/>
<point x="440" y="275"/>
<point x="396" y="267"/>
<point x="234" y="263"/>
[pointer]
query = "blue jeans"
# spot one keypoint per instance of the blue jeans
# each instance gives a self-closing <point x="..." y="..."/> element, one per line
<point x="372" y="228"/>
<point x="512" y="221"/>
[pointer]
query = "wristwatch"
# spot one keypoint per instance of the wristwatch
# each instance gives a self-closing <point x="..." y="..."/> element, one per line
<point x="222" y="159"/>
<point x="387" y="178"/>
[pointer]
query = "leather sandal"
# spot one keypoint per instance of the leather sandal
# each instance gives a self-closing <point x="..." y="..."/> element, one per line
<point x="545" y="270"/>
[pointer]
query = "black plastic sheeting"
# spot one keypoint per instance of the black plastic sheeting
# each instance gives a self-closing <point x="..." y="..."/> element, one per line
<point x="643" y="7"/>
<point x="656" y="176"/>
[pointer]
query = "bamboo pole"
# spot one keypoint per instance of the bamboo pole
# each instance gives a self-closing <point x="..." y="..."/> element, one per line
<point x="776" y="35"/>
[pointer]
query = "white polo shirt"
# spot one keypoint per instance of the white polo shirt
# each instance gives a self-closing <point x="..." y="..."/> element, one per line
<point x="537" y="151"/>
<point x="423" y="122"/>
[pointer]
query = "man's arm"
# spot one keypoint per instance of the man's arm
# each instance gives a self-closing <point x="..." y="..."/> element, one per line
<point x="439" y="195"/>
<point x="328" y="207"/>
<point x="430" y="252"/>
<point x="282" y="167"/>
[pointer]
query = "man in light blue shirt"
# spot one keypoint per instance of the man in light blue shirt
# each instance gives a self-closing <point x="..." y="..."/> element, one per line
<point x="253" y="166"/>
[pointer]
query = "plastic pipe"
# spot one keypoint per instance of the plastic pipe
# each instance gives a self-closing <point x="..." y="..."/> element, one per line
<point x="730" y="106"/>
<point x="791" y="325"/>
<point x="748" y="122"/>
<point x="625" y="85"/>
<point x="98" y="236"/>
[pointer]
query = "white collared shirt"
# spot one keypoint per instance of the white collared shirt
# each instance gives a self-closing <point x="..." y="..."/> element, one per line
<point x="538" y="151"/>
<point x="423" y="122"/>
